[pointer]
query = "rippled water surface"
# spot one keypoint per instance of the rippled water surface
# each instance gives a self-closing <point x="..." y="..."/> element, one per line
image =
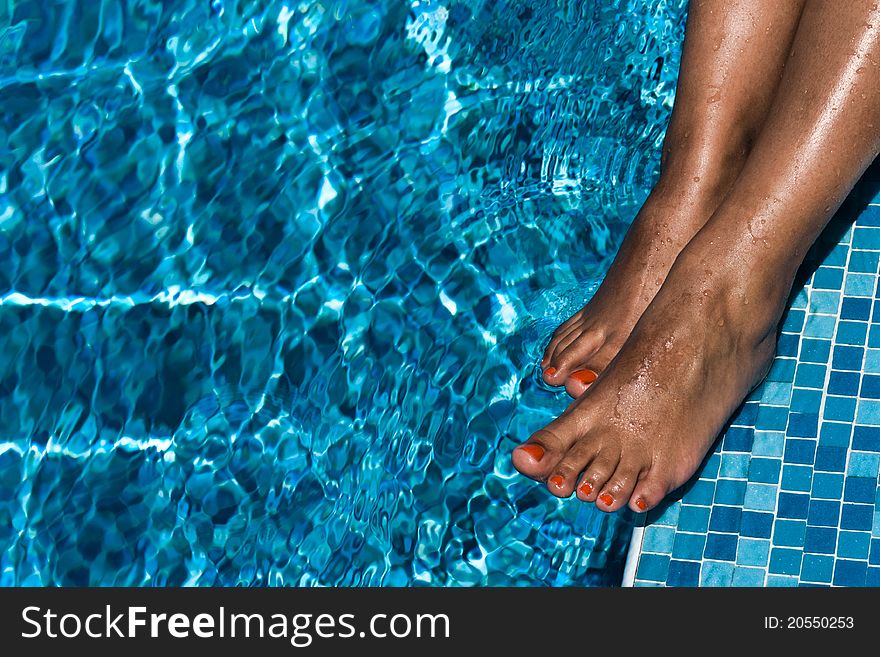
<point x="276" y="276"/>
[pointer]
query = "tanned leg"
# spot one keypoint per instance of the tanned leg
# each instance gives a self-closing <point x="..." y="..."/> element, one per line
<point x="733" y="57"/>
<point x="708" y="337"/>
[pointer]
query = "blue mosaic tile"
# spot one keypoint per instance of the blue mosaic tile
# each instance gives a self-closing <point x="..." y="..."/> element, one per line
<point x="856" y="308"/>
<point x="803" y="399"/>
<point x="684" y="573"/>
<point x="866" y="439"/>
<point x="735" y="466"/>
<point x="725" y="519"/>
<point x="796" y="477"/>
<point x="863" y="464"/>
<point x="782" y="369"/>
<point x="653" y="567"/>
<point x="716" y="574"/>
<point x="874" y="554"/>
<point x="721" y="547"/>
<point x="770" y="418"/>
<point x="753" y="551"/>
<point x="869" y="412"/>
<point x="701" y="492"/>
<point x="852" y="333"/>
<point x="821" y="540"/>
<point x="756" y="525"/>
<point x="800" y="451"/>
<point x="689" y="546"/>
<point x="793" y="506"/>
<point x="658" y="539"/>
<point x="765" y="471"/>
<point x="859" y="285"/>
<point x="840" y="408"/>
<point x="694" y="519"/>
<point x="749" y="577"/>
<point x="785" y="561"/>
<point x="864" y="261"/>
<point x="760" y="497"/>
<point x="815" y="351"/>
<point x="827" y="486"/>
<point x="790" y="496"/>
<point x="872" y="361"/>
<point x="787" y="345"/>
<point x="730" y="492"/>
<point x="830" y="459"/>
<point x="835" y="434"/>
<point x="824" y="513"/>
<point x="860" y="489"/>
<point x="857" y="516"/>
<point x="738" y="440"/>
<point x="809" y="376"/>
<point x="847" y="358"/>
<point x="817" y="568"/>
<point x="854" y="545"/>
<point x="828" y="278"/>
<point x="850" y="573"/>
<point x="843" y="383"/>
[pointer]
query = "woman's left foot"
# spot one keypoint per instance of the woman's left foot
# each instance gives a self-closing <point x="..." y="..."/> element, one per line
<point x="643" y="428"/>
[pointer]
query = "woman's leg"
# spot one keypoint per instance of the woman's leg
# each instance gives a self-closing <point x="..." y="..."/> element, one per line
<point x="732" y="62"/>
<point x="709" y="335"/>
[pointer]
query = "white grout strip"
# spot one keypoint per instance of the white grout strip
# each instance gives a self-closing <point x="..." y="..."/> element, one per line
<point x="632" y="556"/>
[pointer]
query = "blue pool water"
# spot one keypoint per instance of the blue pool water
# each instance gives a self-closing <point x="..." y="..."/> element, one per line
<point x="276" y="276"/>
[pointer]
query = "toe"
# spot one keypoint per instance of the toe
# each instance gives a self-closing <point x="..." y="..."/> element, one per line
<point x="648" y="493"/>
<point x="561" y="332"/>
<point x="564" y="476"/>
<point x="538" y="457"/>
<point x="578" y="381"/>
<point x="571" y="358"/>
<point x="619" y="488"/>
<point x="597" y="473"/>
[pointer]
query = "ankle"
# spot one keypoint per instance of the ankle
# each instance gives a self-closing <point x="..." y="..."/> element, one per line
<point x="747" y="290"/>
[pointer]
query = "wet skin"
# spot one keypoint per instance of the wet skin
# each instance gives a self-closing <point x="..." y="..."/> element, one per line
<point x="707" y="337"/>
<point x="740" y="48"/>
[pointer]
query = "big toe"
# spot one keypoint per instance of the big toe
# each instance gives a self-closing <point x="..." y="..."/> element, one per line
<point x="546" y="447"/>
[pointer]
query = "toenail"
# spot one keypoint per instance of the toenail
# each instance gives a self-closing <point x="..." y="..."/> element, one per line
<point x="533" y="450"/>
<point x="607" y="500"/>
<point x="641" y="504"/>
<point x="586" y="488"/>
<point x="550" y="371"/>
<point x="584" y="376"/>
<point x="557" y="480"/>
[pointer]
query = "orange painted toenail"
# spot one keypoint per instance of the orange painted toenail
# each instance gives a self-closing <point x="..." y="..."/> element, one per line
<point x="586" y="488"/>
<point x="557" y="480"/>
<point x="607" y="500"/>
<point x="641" y="504"/>
<point x="584" y="376"/>
<point x="533" y="450"/>
<point x="550" y="371"/>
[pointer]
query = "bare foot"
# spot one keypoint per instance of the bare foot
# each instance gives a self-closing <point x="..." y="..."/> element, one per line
<point x="582" y="347"/>
<point x="644" y="427"/>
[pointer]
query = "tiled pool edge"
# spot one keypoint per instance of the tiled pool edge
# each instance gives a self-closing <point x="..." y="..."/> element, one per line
<point x="633" y="554"/>
<point x="796" y="502"/>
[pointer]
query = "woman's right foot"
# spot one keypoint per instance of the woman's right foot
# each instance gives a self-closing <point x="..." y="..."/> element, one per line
<point x="582" y="347"/>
